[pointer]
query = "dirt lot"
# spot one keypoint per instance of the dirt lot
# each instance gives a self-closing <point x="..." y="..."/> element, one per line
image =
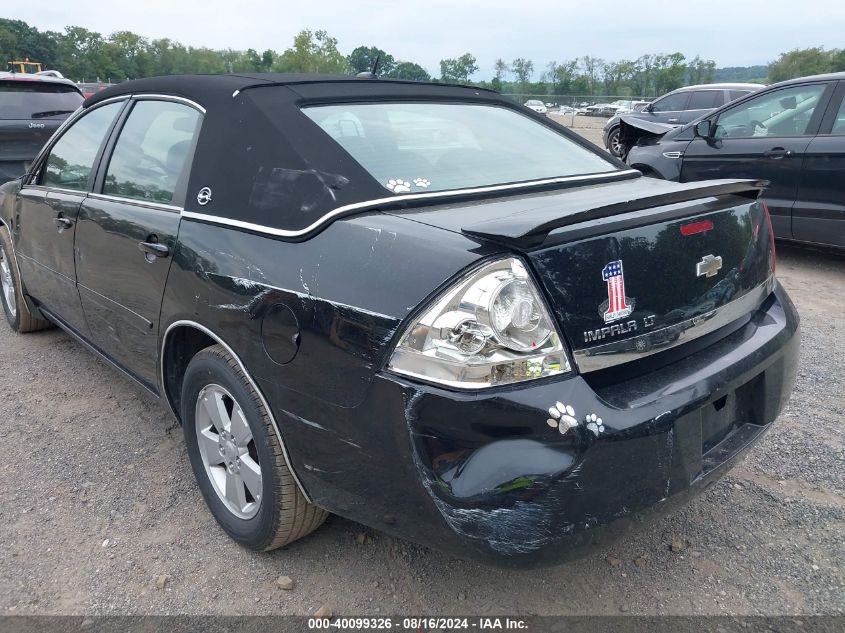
<point x="98" y="501"/>
<point x="589" y="127"/>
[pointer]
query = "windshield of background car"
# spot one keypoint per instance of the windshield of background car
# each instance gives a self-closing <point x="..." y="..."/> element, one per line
<point x="20" y="99"/>
<point x="417" y="147"/>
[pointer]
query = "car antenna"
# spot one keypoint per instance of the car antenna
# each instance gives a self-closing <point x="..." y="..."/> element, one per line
<point x="370" y="74"/>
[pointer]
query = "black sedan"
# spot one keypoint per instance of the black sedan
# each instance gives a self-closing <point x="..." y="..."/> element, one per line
<point x="403" y="303"/>
<point x="791" y="134"/>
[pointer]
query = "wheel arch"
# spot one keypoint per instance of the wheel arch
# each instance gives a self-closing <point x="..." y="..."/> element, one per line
<point x="180" y="343"/>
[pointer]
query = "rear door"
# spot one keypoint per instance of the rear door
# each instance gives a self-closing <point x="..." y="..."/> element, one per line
<point x="819" y="211"/>
<point x="763" y="137"/>
<point x="128" y="226"/>
<point x="701" y="102"/>
<point x="47" y="212"/>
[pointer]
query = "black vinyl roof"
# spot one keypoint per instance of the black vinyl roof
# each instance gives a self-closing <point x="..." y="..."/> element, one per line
<point x="269" y="166"/>
<point x="207" y="89"/>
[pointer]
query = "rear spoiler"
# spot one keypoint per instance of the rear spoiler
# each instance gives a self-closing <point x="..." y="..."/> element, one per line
<point x="592" y="203"/>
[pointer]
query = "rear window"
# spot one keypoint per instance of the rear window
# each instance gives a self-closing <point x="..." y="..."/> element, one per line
<point x="705" y="100"/>
<point x="22" y="99"/>
<point x="417" y="147"/>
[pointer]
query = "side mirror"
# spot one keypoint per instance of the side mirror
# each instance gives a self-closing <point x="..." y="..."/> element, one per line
<point x="704" y="128"/>
<point x="649" y="107"/>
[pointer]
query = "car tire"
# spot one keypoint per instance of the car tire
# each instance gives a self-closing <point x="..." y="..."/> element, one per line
<point x="17" y="312"/>
<point x="613" y="144"/>
<point x="262" y="511"/>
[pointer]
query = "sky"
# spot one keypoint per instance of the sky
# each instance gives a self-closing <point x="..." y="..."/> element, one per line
<point x="731" y="32"/>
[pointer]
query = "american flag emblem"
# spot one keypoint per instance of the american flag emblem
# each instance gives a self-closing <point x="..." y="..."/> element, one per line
<point x="618" y="305"/>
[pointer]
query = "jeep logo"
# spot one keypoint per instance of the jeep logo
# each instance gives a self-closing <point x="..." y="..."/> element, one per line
<point x="37" y="125"/>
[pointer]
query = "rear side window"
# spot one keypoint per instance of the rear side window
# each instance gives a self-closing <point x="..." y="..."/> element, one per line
<point x="705" y="100"/>
<point x="418" y="147"/>
<point x="151" y="152"/>
<point x="736" y="94"/>
<point x="27" y="99"/>
<point x="71" y="159"/>
<point x="671" y="103"/>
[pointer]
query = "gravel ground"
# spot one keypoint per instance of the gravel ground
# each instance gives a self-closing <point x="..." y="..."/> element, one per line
<point x="99" y="513"/>
<point x="589" y="127"/>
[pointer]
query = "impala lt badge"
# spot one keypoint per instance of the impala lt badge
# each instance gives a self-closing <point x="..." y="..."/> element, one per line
<point x="708" y="266"/>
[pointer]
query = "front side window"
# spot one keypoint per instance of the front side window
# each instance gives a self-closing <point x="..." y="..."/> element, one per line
<point x="705" y="100"/>
<point x="671" y="103"/>
<point x="71" y="159"/>
<point x="151" y="151"/>
<point x="418" y="147"/>
<point x="786" y="112"/>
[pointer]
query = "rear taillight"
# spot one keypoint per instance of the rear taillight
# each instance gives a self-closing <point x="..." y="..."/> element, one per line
<point x="772" y="256"/>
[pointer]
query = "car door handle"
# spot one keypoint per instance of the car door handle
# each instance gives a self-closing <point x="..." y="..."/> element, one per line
<point x="154" y="248"/>
<point x="63" y="223"/>
<point x="776" y="153"/>
<point x="672" y="120"/>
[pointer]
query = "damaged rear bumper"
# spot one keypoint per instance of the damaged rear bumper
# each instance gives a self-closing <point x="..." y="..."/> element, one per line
<point x="486" y="476"/>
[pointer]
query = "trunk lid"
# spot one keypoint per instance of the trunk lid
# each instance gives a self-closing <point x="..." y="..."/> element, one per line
<point x="632" y="268"/>
<point x="633" y="291"/>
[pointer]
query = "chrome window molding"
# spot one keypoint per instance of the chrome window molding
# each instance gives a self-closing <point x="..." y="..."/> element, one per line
<point x="609" y="354"/>
<point x="365" y="205"/>
<point x="151" y="96"/>
<point x="80" y="192"/>
<point x="161" y="206"/>
<point x="252" y="382"/>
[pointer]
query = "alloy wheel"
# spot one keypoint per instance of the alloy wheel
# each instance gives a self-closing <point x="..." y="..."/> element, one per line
<point x="8" y="284"/>
<point x="615" y="145"/>
<point x="228" y="451"/>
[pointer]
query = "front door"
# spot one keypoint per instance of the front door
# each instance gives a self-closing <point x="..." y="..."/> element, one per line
<point x="127" y="230"/>
<point x="48" y="211"/>
<point x="762" y="138"/>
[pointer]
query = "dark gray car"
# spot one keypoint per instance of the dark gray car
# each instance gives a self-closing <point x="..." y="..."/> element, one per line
<point x="31" y="108"/>
<point x="679" y="107"/>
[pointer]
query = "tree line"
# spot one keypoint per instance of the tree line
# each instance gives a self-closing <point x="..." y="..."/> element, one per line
<point x="85" y="55"/>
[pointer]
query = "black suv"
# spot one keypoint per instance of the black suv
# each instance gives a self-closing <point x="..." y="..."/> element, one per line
<point x="31" y="108"/>
<point x="678" y="107"/>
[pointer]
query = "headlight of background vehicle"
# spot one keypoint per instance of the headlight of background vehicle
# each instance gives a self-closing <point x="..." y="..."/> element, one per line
<point x="491" y="328"/>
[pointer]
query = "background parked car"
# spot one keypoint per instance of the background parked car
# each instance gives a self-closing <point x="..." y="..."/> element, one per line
<point x="536" y="105"/>
<point x="791" y="134"/>
<point x="31" y="108"/>
<point x="678" y="107"/>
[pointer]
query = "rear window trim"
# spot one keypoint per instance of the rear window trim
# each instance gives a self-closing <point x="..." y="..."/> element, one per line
<point x="394" y="201"/>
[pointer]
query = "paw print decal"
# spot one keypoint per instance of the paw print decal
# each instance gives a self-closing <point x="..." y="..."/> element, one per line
<point x="398" y="186"/>
<point x="562" y="417"/>
<point x="422" y="182"/>
<point x="595" y="424"/>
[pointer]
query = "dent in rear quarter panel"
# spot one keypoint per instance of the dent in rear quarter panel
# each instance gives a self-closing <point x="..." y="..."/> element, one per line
<point x="347" y="288"/>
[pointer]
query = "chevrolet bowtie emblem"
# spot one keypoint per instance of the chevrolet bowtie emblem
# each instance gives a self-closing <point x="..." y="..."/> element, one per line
<point x="708" y="266"/>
